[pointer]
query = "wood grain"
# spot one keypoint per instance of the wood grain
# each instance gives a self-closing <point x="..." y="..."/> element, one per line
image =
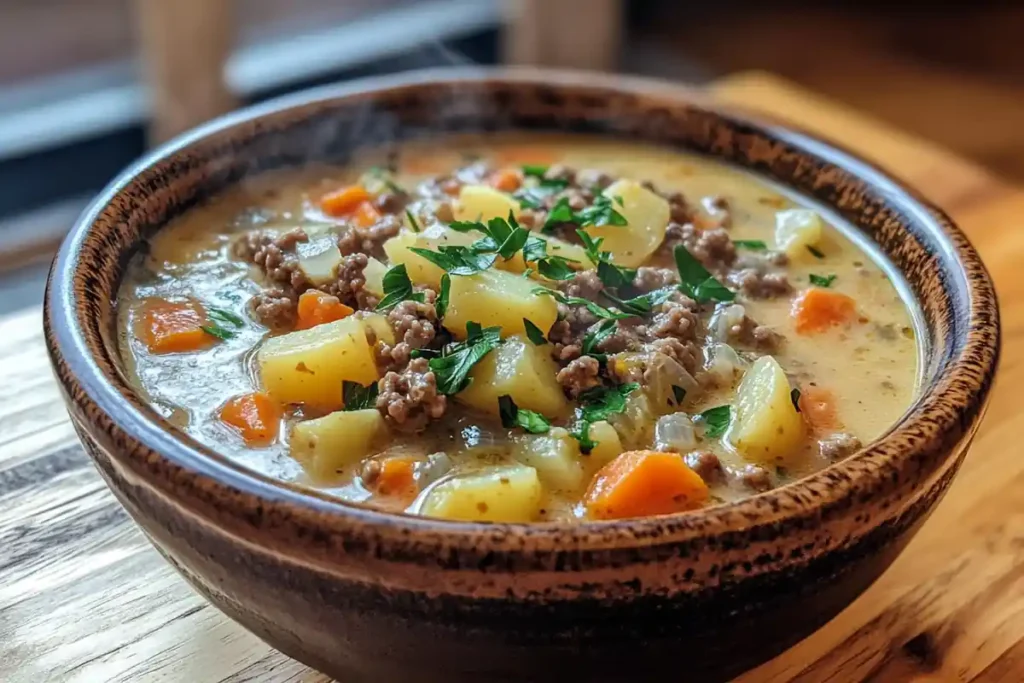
<point x="83" y="597"/>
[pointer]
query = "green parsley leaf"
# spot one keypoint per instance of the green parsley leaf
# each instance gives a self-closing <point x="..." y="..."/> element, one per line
<point x="679" y="394"/>
<point x="357" y="397"/>
<point x="539" y="171"/>
<point x="458" y="260"/>
<point x="534" y="333"/>
<point x="614" y="276"/>
<point x="794" y="396"/>
<point x="556" y="268"/>
<point x="643" y="304"/>
<point x="441" y="303"/>
<point x="582" y="434"/>
<point x="753" y="245"/>
<point x="595" y="335"/>
<point x="452" y="368"/>
<point x="397" y="288"/>
<point x="560" y="213"/>
<point x="528" y="272"/>
<point x="591" y="246"/>
<point x="413" y="223"/>
<point x="716" y="420"/>
<point x="534" y="170"/>
<point x="535" y="248"/>
<point x="697" y="281"/>
<point x="815" y="252"/>
<point x="601" y="212"/>
<point x="599" y="404"/>
<point x="597" y="310"/>
<point x="513" y="416"/>
<point x="223" y="323"/>
<point x="822" y="280"/>
<point x="533" y="197"/>
<point x="468" y="226"/>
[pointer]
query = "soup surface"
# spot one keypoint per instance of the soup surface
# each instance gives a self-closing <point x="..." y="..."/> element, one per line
<point x="519" y="329"/>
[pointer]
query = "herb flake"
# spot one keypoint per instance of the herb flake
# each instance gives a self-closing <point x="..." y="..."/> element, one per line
<point x="513" y="416"/>
<point x="357" y="397"/>
<point x="397" y="288"/>
<point x="223" y="323"/>
<point x="822" y="280"/>
<point x="753" y="245"/>
<point x="441" y="303"/>
<point x="534" y="333"/>
<point x="815" y="252"/>
<point x="794" y="396"/>
<point x="700" y="284"/>
<point x="452" y="368"/>
<point x="716" y="420"/>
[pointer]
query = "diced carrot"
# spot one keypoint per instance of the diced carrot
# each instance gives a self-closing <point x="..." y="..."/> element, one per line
<point x="172" y="326"/>
<point x="817" y="309"/>
<point x="256" y="417"/>
<point x="506" y="180"/>
<point x="641" y="483"/>
<point x="396" y="478"/>
<point x="316" y="308"/>
<point x="366" y="214"/>
<point x="818" y="406"/>
<point x="344" y="201"/>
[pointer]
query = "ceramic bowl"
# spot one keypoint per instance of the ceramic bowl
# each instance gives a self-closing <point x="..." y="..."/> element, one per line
<point x="365" y="595"/>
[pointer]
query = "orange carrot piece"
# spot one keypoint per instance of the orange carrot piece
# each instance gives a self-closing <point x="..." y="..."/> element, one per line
<point x="172" y="326"/>
<point x="316" y="308"/>
<point x="256" y="417"/>
<point x="817" y="309"/>
<point x="642" y="483"/>
<point x="396" y="478"/>
<point x="366" y="214"/>
<point x="818" y="406"/>
<point x="506" y="180"/>
<point x="344" y="201"/>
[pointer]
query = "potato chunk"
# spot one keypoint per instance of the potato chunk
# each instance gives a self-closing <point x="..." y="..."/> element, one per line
<point x="647" y="215"/>
<point x="608" y="447"/>
<point x="797" y="229"/>
<point x="374" y="274"/>
<point x="318" y="258"/>
<point x="329" y="443"/>
<point x="518" y="369"/>
<point x="494" y="297"/>
<point x="504" y="494"/>
<point x="308" y="366"/>
<point x="555" y="456"/>
<point x="379" y="325"/>
<point x="421" y="271"/>
<point x="766" y="427"/>
<point x="482" y="203"/>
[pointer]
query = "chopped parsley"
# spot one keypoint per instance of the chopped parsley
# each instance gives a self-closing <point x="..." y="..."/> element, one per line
<point x="513" y="416"/>
<point x="560" y="213"/>
<point x="503" y="236"/>
<point x="716" y="420"/>
<point x="357" y="397"/>
<point x="815" y="252"/>
<point x="441" y="303"/>
<point x="397" y="288"/>
<point x="539" y="171"/>
<point x="535" y="248"/>
<point x="458" y="260"/>
<point x="822" y="280"/>
<point x="753" y="245"/>
<point x="533" y="197"/>
<point x="534" y="333"/>
<point x="595" y="335"/>
<point x="599" y="311"/>
<point x="556" y="268"/>
<point x="413" y="223"/>
<point x="610" y="274"/>
<point x="599" y="404"/>
<point x="643" y="304"/>
<point x="223" y="323"/>
<point x="697" y="281"/>
<point x="794" y="396"/>
<point x="601" y="212"/>
<point x="451" y="369"/>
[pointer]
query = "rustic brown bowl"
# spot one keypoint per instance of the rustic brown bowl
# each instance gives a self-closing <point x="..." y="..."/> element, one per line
<point x="371" y="596"/>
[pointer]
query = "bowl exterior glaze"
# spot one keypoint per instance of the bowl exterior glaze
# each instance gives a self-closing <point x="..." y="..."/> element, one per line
<point x="368" y="596"/>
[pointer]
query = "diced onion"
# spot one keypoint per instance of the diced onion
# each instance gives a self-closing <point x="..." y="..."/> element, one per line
<point x="674" y="433"/>
<point x="723" y="363"/>
<point x="662" y="374"/>
<point x="724" y="319"/>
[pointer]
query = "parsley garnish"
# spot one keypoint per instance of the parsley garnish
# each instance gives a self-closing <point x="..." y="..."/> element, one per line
<point x="452" y="368"/>
<point x="595" y="335"/>
<point x="597" y="310"/>
<point x="679" y="394"/>
<point x="601" y="212"/>
<point x="610" y="274"/>
<point x="822" y="280"/>
<point x="794" y="396"/>
<point x="556" y="268"/>
<point x="501" y="235"/>
<point x="457" y="260"/>
<point x="397" y="288"/>
<point x="412" y="221"/>
<point x="560" y="213"/>
<point x="643" y="304"/>
<point x="539" y="171"/>
<point x="815" y="252"/>
<point x="697" y="281"/>
<point x="534" y="333"/>
<point x="533" y="197"/>
<point x="753" y="245"/>
<point x="513" y="416"/>
<point x="599" y="404"/>
<point x="357" y="397"/>
<point x="716" y="420"/>
<point x="535" y="248"/>
<point x="223" y="323"/>
<point x="441" y="303"/>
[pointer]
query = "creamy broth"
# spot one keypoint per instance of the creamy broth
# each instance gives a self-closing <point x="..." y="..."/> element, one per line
<point x="855" y="377"/>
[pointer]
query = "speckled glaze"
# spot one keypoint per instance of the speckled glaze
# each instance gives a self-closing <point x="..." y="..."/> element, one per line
<point x="369" y="596"/>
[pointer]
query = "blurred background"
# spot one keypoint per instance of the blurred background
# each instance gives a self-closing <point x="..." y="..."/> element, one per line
<point x="86" y="85"/>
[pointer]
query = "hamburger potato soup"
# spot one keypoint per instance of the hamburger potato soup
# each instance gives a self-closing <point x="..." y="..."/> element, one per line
<point x="519" y="329"/>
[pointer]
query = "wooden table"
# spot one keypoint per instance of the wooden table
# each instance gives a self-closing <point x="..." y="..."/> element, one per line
<point x="83" y="597"/>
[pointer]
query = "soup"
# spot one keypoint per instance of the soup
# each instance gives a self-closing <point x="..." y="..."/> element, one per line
<point x="519" y="329"/>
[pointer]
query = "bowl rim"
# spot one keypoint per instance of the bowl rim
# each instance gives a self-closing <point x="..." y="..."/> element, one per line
<point x="250" y="489"/>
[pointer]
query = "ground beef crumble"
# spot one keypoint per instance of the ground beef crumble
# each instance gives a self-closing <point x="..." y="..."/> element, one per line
<point x="754" y="477"/>
<point x="350" y="281"/>
<point x="706" y="464"/>
<point x="580" y="375"/>
<point x="409" y="399"/>
<point x="584" y="284"/>
<point x="757" y="283"/>
<point x="649" y="279"/>
<point x="276" y="257"/>
<point x="275" y="308"/>
<point x="838" y="446"/>
<point x="749" y="334"/>
<point x="713" y="247"/>
<point x="358" y="240"/>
